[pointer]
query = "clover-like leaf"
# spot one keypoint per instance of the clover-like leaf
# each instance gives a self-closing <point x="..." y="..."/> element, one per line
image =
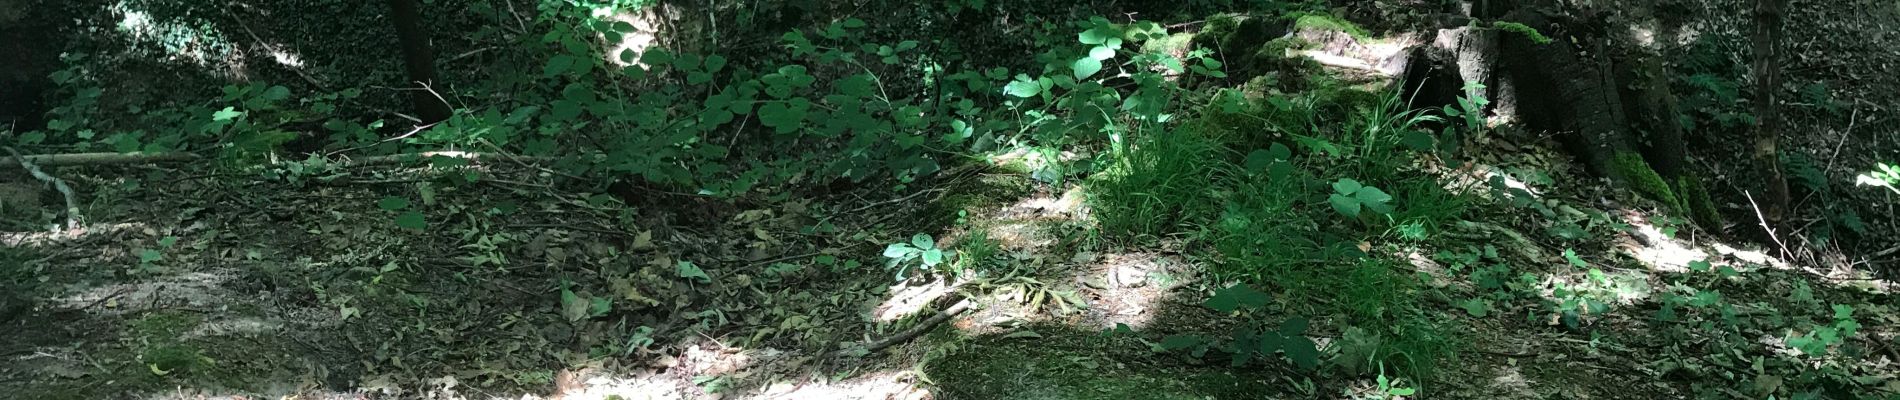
<point x="1344" y="204"/>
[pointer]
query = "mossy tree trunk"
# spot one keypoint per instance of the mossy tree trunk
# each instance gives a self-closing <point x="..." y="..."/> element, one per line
<point x="1562" y="88"/>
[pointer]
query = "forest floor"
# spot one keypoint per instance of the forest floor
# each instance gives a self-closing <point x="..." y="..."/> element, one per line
<point x="500" y="280"/>
<point x="182" y="288"/>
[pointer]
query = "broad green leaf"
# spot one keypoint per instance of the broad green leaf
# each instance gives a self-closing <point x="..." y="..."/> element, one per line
<point x="933" y="257"/>
<point x="1086" y="67"/>
<point x="715" y="62"/>
<point x="393" y="203"/>
<point x="922" y="241"/>
<point x="1259" y="160"/>
<point x="276" y="93"/>
<point x="1345" y="205"/>
<point x="1280" y="152"/>
<point x="1293" y="327"/>
<point x="412" y="220"/>
<point x="1346" y="186"/>
<point x="560" y="63"/>
<point x="1475" y="307"/>
<point x="686" y="269"/>
<point x="1023" y="87"/>
<point x="226" y="114"/>
<point x="1234" y="297"/>
<point x="898" y="250"/>
<point x="1303" y="351"/>
<point x="656" y="57"/>
<point x="1101" y="53"/>
<point x="1177" y="342"/>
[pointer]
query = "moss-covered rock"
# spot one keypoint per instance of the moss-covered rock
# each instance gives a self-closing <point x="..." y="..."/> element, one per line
<point x="1630" y="169"/>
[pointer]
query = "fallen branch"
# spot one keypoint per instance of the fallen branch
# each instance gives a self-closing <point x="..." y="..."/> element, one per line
<point x="96" y="159"/>
<point x="913" y="332"/>
<point x="72" y="204"/>
<point x="60" y="160"/>
<point x="1785" y="254"/>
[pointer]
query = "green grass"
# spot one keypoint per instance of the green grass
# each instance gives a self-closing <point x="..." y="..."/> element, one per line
<point x="1159" y="186"/>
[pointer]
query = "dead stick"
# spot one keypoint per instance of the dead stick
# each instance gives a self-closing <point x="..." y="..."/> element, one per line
<point x="72" y="204"/>
<point x="915" y="331"/>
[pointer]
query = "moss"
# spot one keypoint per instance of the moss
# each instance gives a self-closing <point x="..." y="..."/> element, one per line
<point x="1526" y="30"/>
<point x="1175" y="44"/>
<point x="174" y="359"/>
<point x="164" y="326"/>
<point x="1329" y="23"/>
<point x="1696" y="199"/>
<point x="1633" y="171"/>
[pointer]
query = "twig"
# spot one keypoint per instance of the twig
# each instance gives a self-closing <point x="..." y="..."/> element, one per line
<point x="1764" y="226"/>
<point x="72" y="204"/>
<point x="915" y="331"/>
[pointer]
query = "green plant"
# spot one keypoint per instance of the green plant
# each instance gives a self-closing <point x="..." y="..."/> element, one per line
<point x="1349" y="197"/>
<point x="1257" y="340"/>
<point x="921" y="248"/>
<point x="1883" y="175"/>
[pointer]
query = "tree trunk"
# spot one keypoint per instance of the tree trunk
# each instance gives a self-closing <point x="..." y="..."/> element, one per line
<point x="1562" y="90"/>
<point x="418" y="60"/>
<point x="1767" y="75"/>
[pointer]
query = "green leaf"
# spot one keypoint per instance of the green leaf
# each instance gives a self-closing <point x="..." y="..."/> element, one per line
<point x="686" y="269"/>
<point x="1293" y="327"/>
<point x="276" y="93"/>
<point x="1303" y="351"/>
<point x="1475" y="307"/>
<point x="1096" y="35"/>
<point x="1234" y="297"/>
<point x="1345" y="205"/>
<point x="572" y="306"/>
<point x="393" y="203"/>
<point x="1086" y="67"/>
<point x="1699" y="266"/>
<point x="226" y="114"/>
<point x="1280" y="152"/>
<point x="1023" y="87"/>
<point x="1259" y="160"/>
<point x="150" y="255"/>
<point x="656" y="57"/>
<point x="933" y="257"/>
<point x="560" y="63"/>
<point x="1571" y="256"/>
<point x="1177" y="342"/>
<point x="412" y="220"/>
<point x="923" y="241"/>
<point x="1374" y="199"/>
<point x="1346" y="186"/>
<point x="1101" y="53"/>
<point x="898" y="250"/>
<point x="715" y="62"/>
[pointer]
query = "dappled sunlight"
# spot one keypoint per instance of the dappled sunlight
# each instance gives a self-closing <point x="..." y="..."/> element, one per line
<point x="1659" y="251"/>
<point x="63" y="235"/>
<point x="907" y="299"/>
<point x="1384" y="57"/>
<point x="180" y="41"/>
<point x="1128" y="288"/>
<point x="644" y="34"/>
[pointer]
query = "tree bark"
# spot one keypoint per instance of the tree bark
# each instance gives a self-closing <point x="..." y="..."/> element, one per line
<point x="1562" y="89"/>
<point x="1766" y="40"/>
<point x="418" y="59"/>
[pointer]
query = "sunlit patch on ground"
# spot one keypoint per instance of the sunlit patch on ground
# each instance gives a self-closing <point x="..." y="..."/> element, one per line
<point x="1126" y="288"/>
<point x="1660" y="251"/>
<point x="907" y="299"/>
